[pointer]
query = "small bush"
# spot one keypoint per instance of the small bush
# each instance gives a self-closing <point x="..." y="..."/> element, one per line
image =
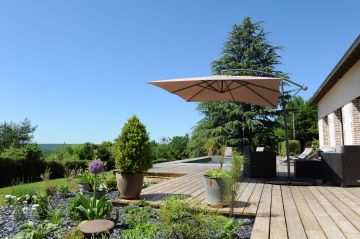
<point x="51" y="190"/>
<point x="73" y="234"/>
<point x="144" y="231"/>
<point x="294" y="147"/>
<point x="110" y="181"/>
<point x="71" y="209"/>
<point x="133" y="149"/>
<point x="43" y="208"/>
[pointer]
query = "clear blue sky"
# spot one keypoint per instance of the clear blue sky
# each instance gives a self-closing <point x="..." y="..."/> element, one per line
<point x="78" y="69"/>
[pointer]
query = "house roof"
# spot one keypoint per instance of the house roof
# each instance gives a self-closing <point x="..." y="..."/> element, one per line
<point x="350" y="58"/>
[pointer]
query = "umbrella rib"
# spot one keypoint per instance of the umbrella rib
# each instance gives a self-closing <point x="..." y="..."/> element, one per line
<point x="188" y="87"/>
<point x="227" y="87"/>
<point x="237" y="87"/>
<point x="203" y="88"/>
<point x="260" y="96"/>
<point x="211" y="87"/>
<point x="217" y="82"/>
<point x="260" y="86"/>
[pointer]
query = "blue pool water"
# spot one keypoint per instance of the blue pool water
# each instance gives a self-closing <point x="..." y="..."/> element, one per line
<point x="214" y="160"/>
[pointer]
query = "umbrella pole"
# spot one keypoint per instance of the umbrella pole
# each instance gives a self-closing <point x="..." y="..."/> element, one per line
<point x="286" y="133"/>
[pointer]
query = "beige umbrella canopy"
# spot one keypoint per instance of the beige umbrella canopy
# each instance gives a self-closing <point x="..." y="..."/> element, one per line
<point x="257" y="90"/>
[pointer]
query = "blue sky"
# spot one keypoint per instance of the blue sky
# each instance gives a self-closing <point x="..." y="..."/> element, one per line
<point x="78" y="69"/>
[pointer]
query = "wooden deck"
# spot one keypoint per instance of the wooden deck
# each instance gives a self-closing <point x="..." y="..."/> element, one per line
<point x="281" y="211"/>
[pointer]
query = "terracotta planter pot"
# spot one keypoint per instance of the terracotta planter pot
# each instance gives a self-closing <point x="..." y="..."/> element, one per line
<point x="216" y="193"/>
<point x="129" y="185"/>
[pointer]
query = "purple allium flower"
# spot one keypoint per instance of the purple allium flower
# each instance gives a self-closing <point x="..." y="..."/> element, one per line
<point x="96" y="166"/>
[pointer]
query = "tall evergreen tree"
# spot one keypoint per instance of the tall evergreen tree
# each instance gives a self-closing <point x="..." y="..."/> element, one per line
<point x="233" y="123"/>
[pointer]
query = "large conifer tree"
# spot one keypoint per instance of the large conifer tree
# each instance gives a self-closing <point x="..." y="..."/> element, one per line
<point x="237" y="124"/>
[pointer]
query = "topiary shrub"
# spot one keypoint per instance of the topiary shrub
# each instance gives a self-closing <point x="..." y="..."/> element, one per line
<point x="294" y="147"/>
<point x="133" y="149"/>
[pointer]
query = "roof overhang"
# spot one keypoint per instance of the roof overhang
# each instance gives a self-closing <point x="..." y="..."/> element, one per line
<point x="350" y="58"/>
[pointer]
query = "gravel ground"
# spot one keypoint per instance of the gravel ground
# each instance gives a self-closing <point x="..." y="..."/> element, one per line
<point x="10" y="227"/>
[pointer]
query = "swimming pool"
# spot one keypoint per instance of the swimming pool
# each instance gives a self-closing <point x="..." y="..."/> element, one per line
<point x="212" y="160"/>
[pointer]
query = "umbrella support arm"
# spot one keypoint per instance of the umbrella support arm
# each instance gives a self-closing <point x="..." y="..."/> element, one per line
<point x="283" y="103"/>
<point x="286" y="134"/>
<point x="302" y="87"/>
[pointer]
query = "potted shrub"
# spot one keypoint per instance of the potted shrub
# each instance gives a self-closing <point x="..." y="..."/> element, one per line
<point x="216" y="190"/>
<point x="133" y="158"/>
<point x="221" y="185"/>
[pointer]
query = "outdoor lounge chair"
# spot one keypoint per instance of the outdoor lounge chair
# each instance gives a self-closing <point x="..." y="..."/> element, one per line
<point x="304" y="155"/>
<point x="228" y="152"/>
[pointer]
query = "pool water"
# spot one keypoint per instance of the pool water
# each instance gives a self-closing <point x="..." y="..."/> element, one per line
<point x="214" y="160"/>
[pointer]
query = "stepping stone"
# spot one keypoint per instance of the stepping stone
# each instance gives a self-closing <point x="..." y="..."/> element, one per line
<point x="96" y="226"/>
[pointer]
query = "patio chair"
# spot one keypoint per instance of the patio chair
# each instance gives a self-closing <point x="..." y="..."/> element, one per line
<point x="228" y="152"/>
<point x="304" y="155"/>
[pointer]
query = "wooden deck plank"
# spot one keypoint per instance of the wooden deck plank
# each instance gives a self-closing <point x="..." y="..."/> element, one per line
<point x="346" y="197"/>
<point x="278" y="228"/>
<point x="281" y="211"/>
<point x="261" y="228"/>
<point x="308" y="220"/>
<point x="293" y="221"/>
<point x="354" y="191"/>
<point x="327" y="224"/>
<point x="352" y="217"/>
<point x="242" y="197"/>
<point x="345" y="226"/>
<point x="254" y="200"/>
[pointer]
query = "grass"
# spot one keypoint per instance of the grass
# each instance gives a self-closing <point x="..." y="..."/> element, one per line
<point x="23" y="189"/>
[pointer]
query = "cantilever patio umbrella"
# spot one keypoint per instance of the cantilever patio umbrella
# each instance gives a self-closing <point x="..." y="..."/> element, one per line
<point x="257" y="90"/>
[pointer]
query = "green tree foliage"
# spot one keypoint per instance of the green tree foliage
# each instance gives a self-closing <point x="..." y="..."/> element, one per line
<point x="85" y="152"/>
<point x="133" y="149"/>
<point x="171" y="148"/>
<point x="305" y="121"/>
<point x="239" y="124"/>
<point x="16" y="134"/>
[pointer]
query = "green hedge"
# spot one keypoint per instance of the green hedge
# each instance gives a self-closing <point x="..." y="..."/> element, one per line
<point x="294" y="147"/>
<point x="13" y="171"/>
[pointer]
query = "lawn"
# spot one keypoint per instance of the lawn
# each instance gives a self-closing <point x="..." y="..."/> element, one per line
<point x="23" y="189"/>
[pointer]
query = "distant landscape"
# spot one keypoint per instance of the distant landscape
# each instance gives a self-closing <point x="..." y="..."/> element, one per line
<point x="48" y="148"/>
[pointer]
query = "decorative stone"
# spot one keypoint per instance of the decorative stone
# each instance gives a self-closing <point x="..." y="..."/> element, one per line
<point x="96" y="226"/>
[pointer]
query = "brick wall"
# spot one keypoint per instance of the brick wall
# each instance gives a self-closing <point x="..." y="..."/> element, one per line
<point x="324" y="129"/>
<point x="335" y="129"/>
<point x="351" y="122"/>
<point x="356" y="121"/>
<point x="347" y="123"/>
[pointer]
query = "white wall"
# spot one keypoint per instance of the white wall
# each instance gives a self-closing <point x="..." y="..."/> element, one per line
<point x="344" y="91"/>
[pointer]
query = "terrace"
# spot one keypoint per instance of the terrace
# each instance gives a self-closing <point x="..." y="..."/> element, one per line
<point x="280" y="211"/>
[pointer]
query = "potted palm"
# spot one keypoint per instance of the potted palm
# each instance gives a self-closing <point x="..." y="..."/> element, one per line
<point x="133" y="158"/>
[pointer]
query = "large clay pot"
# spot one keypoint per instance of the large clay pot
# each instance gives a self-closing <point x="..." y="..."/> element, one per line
<point x="216" y="193"/>
<point x="129" y="185"/>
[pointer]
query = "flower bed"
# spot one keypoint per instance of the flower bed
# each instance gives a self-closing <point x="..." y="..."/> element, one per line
<point x="135" y="221"/>
<point x="58" y="213"/>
